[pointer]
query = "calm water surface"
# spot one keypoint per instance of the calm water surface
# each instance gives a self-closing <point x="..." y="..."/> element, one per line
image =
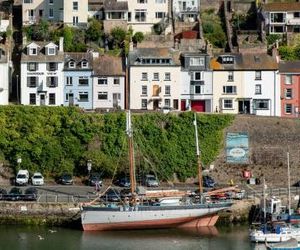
<point x="19" y="237"/>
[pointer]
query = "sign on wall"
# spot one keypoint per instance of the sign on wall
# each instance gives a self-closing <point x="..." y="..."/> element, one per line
<point x="237" y="148"/>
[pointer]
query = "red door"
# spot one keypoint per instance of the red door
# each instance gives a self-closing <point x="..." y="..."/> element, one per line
<point x="198" y="106"/>
<point x="182" y="105"/>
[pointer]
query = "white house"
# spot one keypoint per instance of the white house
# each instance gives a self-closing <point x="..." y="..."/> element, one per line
<point x="4" y="79"/>
<point x="108" y="82"/>
<point x="42" y="74"/>
<point x="154" y="78"/>
<point x="186" y="10"/>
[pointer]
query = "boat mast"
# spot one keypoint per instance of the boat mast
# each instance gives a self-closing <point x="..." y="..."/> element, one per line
<point x="264" y="197"/>
<point x="198" y="155"/>
<point x="129" y="133"/>
<point x="289" y="182"/>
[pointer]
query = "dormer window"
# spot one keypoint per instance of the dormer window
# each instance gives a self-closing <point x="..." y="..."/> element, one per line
<point x="227" y="59"/>
<point x="84" y="64"/>
<point x="72" y="64"/>
<point x="32" y="51"/>
<point x="51" y="51"/>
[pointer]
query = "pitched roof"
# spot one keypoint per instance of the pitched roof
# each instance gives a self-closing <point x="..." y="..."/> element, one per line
<point x="106" y="65"/>
<point x="155" y="53"/>
<point x="245" y="62"/>
<point x="115" y="5"/>
<point x="78" y="57"/>
<point x="281" y="6"/>
<point x="289" y="67"/>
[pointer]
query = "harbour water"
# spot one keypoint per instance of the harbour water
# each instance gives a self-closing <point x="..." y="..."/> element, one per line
<point x="14" y="237"/>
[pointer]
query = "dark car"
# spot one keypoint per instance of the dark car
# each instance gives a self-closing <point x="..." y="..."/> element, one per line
<point x="208" y="182"/>
<point x="30" y="194"/>
<point x="3" y="192"/>
<point x="123" y="182"/>
<point x="95" y="179"/>
<point x="66" y="179"/>
<point x="111" y="195"/>
<point x="14" y="194"/>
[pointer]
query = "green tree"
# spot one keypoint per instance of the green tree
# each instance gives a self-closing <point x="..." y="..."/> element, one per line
<point x="138" y="37"/>
<point x="68" y="38"/>
<point x="118" y="34"/>
<point x="94" y="31"/>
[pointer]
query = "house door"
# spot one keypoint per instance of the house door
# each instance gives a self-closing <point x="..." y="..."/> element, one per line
<point x="116" y="100"/>
<point x="198" y="106"/>
<point x="244" y="106"/>
<point x="183" y="105"/>
<point x="155" y="104"/>
<point x="42" y="99"/>
<point x="71" y="99"/>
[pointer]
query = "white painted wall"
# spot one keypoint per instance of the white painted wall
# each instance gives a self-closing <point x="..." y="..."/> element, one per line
<point x="4" y="83"/>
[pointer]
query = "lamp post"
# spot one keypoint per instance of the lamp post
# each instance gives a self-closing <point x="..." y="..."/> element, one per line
<point x="19" y="161"/>
<point x="89" y="166"/>
<point x="18" y="90"/>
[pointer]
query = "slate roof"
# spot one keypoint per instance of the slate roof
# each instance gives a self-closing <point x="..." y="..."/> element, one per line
<point x="41" y="56"/>
<point x="78" y="58"/>
<point x="289" y="67"/>
<point x="245" y="62"/>
<point x="114" y="5"/>
<point x="282" y="7"/>
<point x="156" y="53"/>
<point x="106" y="65"/>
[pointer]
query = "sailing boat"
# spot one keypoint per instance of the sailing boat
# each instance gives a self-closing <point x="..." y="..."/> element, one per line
<point x="140" y="216"/>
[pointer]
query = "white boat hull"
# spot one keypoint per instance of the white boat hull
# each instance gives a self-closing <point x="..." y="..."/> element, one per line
<point x="94" y="218"/>
<point x="259" y="236"/>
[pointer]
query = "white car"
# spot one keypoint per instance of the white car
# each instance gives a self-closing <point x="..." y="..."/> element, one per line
<point x="22" y="177"/>
<point x="37" y="179"/>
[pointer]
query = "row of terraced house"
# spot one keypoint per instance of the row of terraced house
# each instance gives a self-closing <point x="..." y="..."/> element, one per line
<point x="159" y="78"/>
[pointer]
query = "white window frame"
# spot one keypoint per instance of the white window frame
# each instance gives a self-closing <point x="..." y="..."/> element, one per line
<point x="197" y="61"/>
<point x="167" y="76"/>
<point x="69" y="81"/>
<point x="287" y="107"/>
<point x="144" y="76"/>
<point x="201" y="89"/>
<point x="84" y="64"/>
<point x="289" y="79"/>
<point x="228" y="105"/>
<point x="226" y="90"/>
<point x="288" y="93"/>
<point x="167" y="102"/>
<point x="83" y="93"/>
<point x="72" y="64"/>
<point x="144" y="90"/>
<point x="144" y="104"/>
<point x="230" y="76"/>
<point x="258" y="75"/>
<point x="104" y="93"/>
<point x="167" y="89"/>
<point x="104" y="81"/>
<point x="155" y="76"/>
<point x="257" y="89"/>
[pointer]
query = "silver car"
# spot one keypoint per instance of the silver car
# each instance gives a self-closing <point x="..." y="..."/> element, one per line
<point x="151" y="181"/>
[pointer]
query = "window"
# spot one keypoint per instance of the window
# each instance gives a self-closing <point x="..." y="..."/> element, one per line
<point x="227" y="104"/>
<point x="140" y="15"/>
<point x="197" y="76"/>
<point x="197" y="61"/>
<point x="52" y="99"/>
<point x="156" y="76"/>
<point x="32" y="99"/>
<point x="229" y="89"/>
<point x="160" y="15"/>
<point x="144" y="90"/>
<point x="83" y="97"/>
<point x="167" y="76"/>
<point x="51" y="51"/>
<point x="102" y="81"/>
<point x="167" y="90"/>
<point x="32" y="51"/>
<point x="72" y="64"/>
<point x="144" y="103"/>
<point x="52" y="81"/>
<point x="141" y="1"/>
<point x="51" y="13"/>
<point x="258" y="89"/>
<point x="69" y="80"/>
<point x="32" y="66"/>
<point x="75" y="6"/>
<point x="116" y="81"/>
<point x="296" y="14"/>
<point x="230" y="76"/>
<point x="288" y="93"/>
<point x="167" y="102"/>
<point x="198" y="89"/>
<point x="160" y="1"/>
<point x="28" y="1"/>
<point x="288" y="108"/>
<point x="75" y="20"/>
<point x="32" y="81"/>
<point x="288" y="79"/>
<point x="258" y="75"/>
<point x="84" y="64"/>
<point x="144" y="76"/>
<point x="227" y="59"/>
<point x="52" y="66"/>
<point x="51" y="1"/>
<point x="83" y="80"/>
<point x="261" y="104"/>
<point x="102" y="96"/>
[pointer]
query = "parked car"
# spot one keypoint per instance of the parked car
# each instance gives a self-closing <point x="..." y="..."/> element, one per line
<point x="151" y="181"/>
<point x="3" y="192"/>
<point x="22" y="177"/>
<point x="125" y="193"/>
<point x="123" y="182"/>
<point x="111" y="195"/>
<point x="95" y="179"/>
<point x="37" y="179"/>
<point x="14" y="194"/>
<point x="65" y="179"/>
<point x="30" y="194"/>
<point x="208" y="181"/>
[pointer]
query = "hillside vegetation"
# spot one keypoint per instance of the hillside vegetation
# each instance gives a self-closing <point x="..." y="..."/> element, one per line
<point x="57" y="139"/>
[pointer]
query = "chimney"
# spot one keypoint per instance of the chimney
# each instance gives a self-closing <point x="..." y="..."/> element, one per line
<point x="61" y="44"/>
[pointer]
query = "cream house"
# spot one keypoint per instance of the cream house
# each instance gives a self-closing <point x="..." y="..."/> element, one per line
<point x="4" y="73"/>
<point x="75" y="13"/>
<point x="154" y="79"/>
